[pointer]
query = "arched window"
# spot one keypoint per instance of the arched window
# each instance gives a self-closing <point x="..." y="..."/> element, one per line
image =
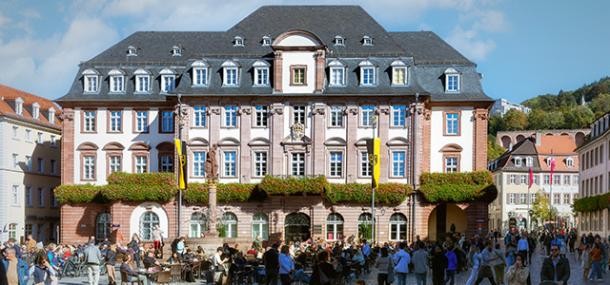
<point x="199" y="225"/>
<point x="229" y="222"/>
<point x="398" y="227"/>
<point x="260" y="226"/>
<point x="334" y="227"/>
<point x="148" y="221"/>
<point x="365" y="226"/>
<point x="102" y="226"/>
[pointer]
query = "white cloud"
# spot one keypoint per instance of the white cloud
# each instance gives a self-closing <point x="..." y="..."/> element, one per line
<point x="469" y="43"/>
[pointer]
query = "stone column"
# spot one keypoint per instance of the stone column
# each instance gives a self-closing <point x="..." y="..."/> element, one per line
<point x="383" y="120"/>
<point x="245" y="125"/>
<point x="351" y="157"/>
<point x="480" y="139"/>
<point x="277" y="135"/>
<point x="277" y="72"/>
<point x="214" y="124"/>
<point x="417" y="142"/>
<point x="212" y="208"/>
<point x="67" y="147"/>
<point x="320" y="74"/>
<point x="318" y="138"/>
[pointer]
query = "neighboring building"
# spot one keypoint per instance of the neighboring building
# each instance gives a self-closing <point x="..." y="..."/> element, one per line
<point x="288" y="91"/>
<point x="511" y="176"/>
<point x="595" y="176"/>
<point x="507" y="139"/>
<point x="501" y="106"/>
<point x="30" y="133"/>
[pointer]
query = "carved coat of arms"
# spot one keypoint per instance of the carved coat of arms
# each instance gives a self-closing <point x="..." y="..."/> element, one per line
<point x="297" y="131"/>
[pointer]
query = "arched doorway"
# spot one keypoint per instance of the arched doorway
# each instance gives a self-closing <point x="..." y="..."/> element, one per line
<point x="297" y="227"/>
<point x="446" y="218"/>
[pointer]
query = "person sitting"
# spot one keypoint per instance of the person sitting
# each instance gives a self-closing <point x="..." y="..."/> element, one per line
<point x="150" y="260"/>
<point x="128" y="272"/>
<point x="175" y="258"/>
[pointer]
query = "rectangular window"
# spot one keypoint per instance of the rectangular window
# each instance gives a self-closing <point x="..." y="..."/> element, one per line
<point x="116" y="122"/>
<point x="141" y="164"/>
<point x="142" y="121"/>
<point x="511" y="198"/>
<point x="40" y="198"/>
<point x="117" y="84"/>
<point x="298" y="164"/>
<point x="366" y="169"/>
<point x="166" y="163"/>
<point x="298" y="114"/>
<point x="231" y="77"/>
<point x="453" y="83"/>
<point x="15" y="132"/>
<point x="89" y="123"/>
<point x="336" y="116"/>
<point x="142" y="83"/>
<point x="200" y="76"/>
<point x="547" y="179"/>
<point x="566" y="179"/>
<point x="337" y="76"/>
<point x="39" y="138"/>
<point x="298" y="75"/>
<point x="537" y="179"/>
<point x="399" y="115"/>
<point x="336" y="164"/>
<point x="366" y="115"/>
<point x="15" y="161"/>
<point x="566" y="199"/>
<point x="522" y="198"/>
<point x="556" y="198"/>
<point x="29" y="198"/>
<point x="523" y="179"/>
<point x="261" y="76"/>
<point x="368" y="76"/>
<point x="261" y="113"/>
<point x="557" y="179"/>
<point x="167" y="121"/>
<point x="91" y="85"/>
<point x="260" y="163"/>
<point x="115" y="163"/>
<point x="15" y="195"/>
<point x="168" y="83"/>
<point x="229" y="163"/>
<point x="199" y="116"/>
<point x="40" y="165"/>
<point x="399" y="76"/>
<point x="399" y="163"/>
<point x="28" y="162"/>
<point x="230" y="117"/>
<point x="53" y="166"/>
<point x="199" y="158"/>
<point x="451" y="164"/>
<point x="452" y="124"/>
<point x="512" y="179"/>
<point x="89" y="167"/>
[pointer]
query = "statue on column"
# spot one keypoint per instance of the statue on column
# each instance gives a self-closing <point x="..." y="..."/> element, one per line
<point x="211" y="165"/>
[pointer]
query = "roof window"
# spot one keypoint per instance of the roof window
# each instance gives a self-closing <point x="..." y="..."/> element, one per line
<point x="132" y="51"/>
<point x="339" y="41"/>
<point x="367" y="41"/>
<point x="266" y="41"/>
<point x="238" y="41"/>
<point x="176" y="51"/>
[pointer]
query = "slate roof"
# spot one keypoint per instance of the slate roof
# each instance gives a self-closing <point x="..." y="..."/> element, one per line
<point x="426" y="54"/>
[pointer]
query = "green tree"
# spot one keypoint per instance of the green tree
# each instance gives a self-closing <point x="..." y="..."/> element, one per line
<point x="536" y="119"/>
<point x="493" y="149"/>
<point x="496" y="124"/>
<point x="578" y="117"/>
<point x="600" y="104"/>
<point x="515" y="120"/>
<point x="541" y="209"/>
<point x="554" y="120"/>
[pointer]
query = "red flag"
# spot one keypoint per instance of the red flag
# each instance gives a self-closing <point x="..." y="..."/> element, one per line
<point x="531" y="178"/>
<point x="552" y="169"/>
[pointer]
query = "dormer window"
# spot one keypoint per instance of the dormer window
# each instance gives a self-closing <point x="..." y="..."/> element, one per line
<point x="529" y="161"/>
<point x="452" y="80"/>
<point x="36" y="111"/>
<point x="51" y="115"/>
<point x="549" y="160"/>
<point x="19" y="106"/>
<point x="117" y="81"/>
<point x="569" y="162"/>
<point x="90" y="81"/>
<point x="266" y="41"/>
<point x="367" y="73"/>
<point x="517" y="161"/>
<point x="132" y="51"/>
<point x="168" y="80"/>
<point x="367" y="41"/>
<point x="200" y="73"/>
<point x="230" y="72"/>
<point x="339" y="41"/>
<point x="238" y="41"/>
<point x="261" y="73"/>
<point x="399" y="73"/>
<point x="336" y="73"/>
<point x="142" y="81"/>
<point x="176" y="51"/>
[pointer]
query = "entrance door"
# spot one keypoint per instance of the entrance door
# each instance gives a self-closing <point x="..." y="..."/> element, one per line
<point x="297" y="227"/>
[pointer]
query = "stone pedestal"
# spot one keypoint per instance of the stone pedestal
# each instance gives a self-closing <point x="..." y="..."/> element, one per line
<point x="212" y="232"/>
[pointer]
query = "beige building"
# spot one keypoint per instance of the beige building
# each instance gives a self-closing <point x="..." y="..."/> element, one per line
<point x="30" y="132"/>
<point x="595" y="176"/>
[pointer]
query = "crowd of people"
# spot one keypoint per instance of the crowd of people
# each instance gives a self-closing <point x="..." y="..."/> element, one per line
<point x="500" y="260"/>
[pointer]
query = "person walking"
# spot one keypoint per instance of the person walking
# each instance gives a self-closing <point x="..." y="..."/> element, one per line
<point x="452" y="263"/>
<point x="439" y="265"/>
<point x="109" y="254"/>
<point x="16" y="268"/>
<point x="157" y="235"/>
<point x="485" y="271"/>
<point x="517" y="273"/>
<point x="401" y="268"/>
<point x="499" y="264"/>
<point x="43" y="272"/>
<point x="420" y="263"/>
<point x="272" y="265"/>
<point x="383" y="264"/>
<point x="523" y="247"/>
<point x="474" y="260"/>
<point x="586" y="262"/>
<point x="555" y="268"/>
<point x="93" y="259"/>
<point x="286" y="265"/>
<point x="596" y="258"/>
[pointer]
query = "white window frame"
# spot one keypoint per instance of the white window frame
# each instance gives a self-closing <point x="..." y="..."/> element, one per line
<point x="234" y="82"/>
<point x="335" y="163"/>
<point x="229" y="163"/>
<point x="398" y="66"/>
<point x="299" y="114"/>
<point x="28" y="162"/>
<point x="337" y="76"/>
<point x="569" y="162"/>
<point x="168" y="82"/>
<point x="364" y="163"/>
<point x="36" y="111"/>
<point x="166" y="162"/>
<point x="336" y="116"/>
<point x="266" y="41"/>
<point x="261" y="116"/>
<point x="117" y="81"/>
<point x="261" y="74"/>
<point x="261" y="161"/>
<point x="399" y="112"/>
<point x="199" y="116"/>
<point x="518" y="161"/>
<point x="199" y="157"/>
<point x="339" y="41"/>
<point x="451" y="75"/>
<point x="116" y="121"/>
<point x="365" y="80"/>
<point x="91" y="83"/>
<point x="141" y="121"/>
<point x="335" y="226"/>
<point x="15" y="195"/>
<point x="367" y="41"/>
<point x="19" y="106"/>
<point x="397" y="165"/>
<point x="89" y="167"/>
<point x="142" y="80"/>
<point x="366" y="115"/>
<point x="200" y="74"/>
<point x="51" y="116"/>
<point x="260" y="223"/>
<point x="141" y="163"/>
<point x="297" y="162"/>
<point x="39" y="139"/>
<point x="529" y="161"/>
<point x="238" y="41"/>
<point x="450" y="121"/>
<point x="89" y="121"/>
<point x="453" y="167"/>
<point x="167" y="124"/>
<point x="400" y="226"/>
<point x="230" y="116"/>
<point x="115" y="163"/>
<point x="53" y="141"/>
<point x="176" y="51"/>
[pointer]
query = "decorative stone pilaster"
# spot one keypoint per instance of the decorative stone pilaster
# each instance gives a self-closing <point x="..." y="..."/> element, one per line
<point x="417" y="141"/>
<point x="277" y="71"/>
<point x="318" y="134"/>
<point x="214" y="124"/>
<point x="277" y="135"/>
<point x="480" y="139"/>
<point x="244" y="137"/>
<point x="383" y="120"/>
<point x="67" y="147"/>
<point x="320" y="74"/>
<point x="351" y="157"/>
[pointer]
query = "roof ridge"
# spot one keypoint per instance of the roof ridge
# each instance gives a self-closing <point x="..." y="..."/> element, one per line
<point x="23" y="92"/>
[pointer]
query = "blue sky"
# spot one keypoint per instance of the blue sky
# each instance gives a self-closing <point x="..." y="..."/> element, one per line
<point x="522" y="48"/>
